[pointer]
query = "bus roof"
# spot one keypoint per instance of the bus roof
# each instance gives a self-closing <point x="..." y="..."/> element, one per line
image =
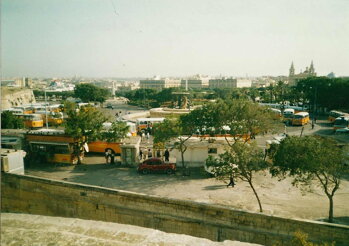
<point x="302" y="113"/>
<point x="150" y="119"/>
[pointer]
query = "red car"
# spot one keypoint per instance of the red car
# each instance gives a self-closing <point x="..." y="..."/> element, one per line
<point x="156" y="165"/>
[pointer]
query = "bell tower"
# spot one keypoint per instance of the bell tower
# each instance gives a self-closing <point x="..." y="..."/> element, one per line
<point x="291" y="70"/>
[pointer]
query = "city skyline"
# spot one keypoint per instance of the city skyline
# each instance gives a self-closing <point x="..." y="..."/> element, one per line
<point x="173" y="38"/>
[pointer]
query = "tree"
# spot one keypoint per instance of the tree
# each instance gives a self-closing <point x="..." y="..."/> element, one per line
<point x="90" y="92"/>
<point x="241" y="161"/>
<point x="311" y="159"/>
<point x="239" y="118"/>
<point x="83" y="124"/>
<point x="181" y="129"/>
<point x="10" y="121"/>
<point x="116" y="132"/>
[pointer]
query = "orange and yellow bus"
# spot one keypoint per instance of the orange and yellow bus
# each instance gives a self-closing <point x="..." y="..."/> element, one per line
<point x="300" y="119"/>
<point x="49" y="145"/>
<point x="143" y="123"/>
<point x="31" y="120"/>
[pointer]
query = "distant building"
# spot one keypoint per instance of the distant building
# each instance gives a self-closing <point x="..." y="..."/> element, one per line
<point x="222" y="83"/>
<point x="331" y="75"/>
<point x="158" y="84"/>
<point x="293" y="77"/>
<point x="243" y="82"/>
<point x="196" y="82"/>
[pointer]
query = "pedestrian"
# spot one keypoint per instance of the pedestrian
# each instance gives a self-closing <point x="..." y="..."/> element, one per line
<point x="140" y="154"/>
<point x="167" y="155"/>
<point x="112" y="158"/>
<point x="312" y="124"/>
<point x="148" y="135"/>
<point x="150" y="154"/>
<point x="145" y="154"/>
<point x="107" y="157"/>
<point x="143" y="136"/>
<point x="231" y="182"/>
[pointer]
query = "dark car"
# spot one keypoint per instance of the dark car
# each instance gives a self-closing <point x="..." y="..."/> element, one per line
<point x="156" y="165"/>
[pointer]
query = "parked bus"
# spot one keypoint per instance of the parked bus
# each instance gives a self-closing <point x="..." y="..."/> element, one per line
<point x="50" y="145"/>
<point x="277" y="113"/>
<point x="143" y="123"/>
<point x="300" y="119"/>
<point x="333" y="115"/>
<point x="25" y="109"/>
<point x="288" y="114"/>
<point x="31" y="120"/>
<point x="341" y="122"/>
<point x="53" y="118"/>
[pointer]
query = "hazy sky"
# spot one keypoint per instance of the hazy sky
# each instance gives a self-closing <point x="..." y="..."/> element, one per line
<point x="129" y="38"/>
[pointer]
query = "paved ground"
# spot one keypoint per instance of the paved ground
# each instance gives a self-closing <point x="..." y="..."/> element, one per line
<point x="28" y="230"/>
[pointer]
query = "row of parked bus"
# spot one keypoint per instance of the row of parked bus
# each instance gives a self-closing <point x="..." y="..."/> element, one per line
<point x="292" y="115"/>
<point x="36" y="115"/>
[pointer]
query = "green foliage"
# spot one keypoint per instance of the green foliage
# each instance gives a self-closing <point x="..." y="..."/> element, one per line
<point x="58" y="94"/>
<point x="10" y="121"/>
<point x="86" y="122"/>
<point x="116" y="132"/>
<point x="241" y="161"/>
<point x="331" y="93"/>
<point x="301" y="239"/>
<point x="308" y="159"/>
<point x="234" y="117"/>
<point x="91" y="93"/>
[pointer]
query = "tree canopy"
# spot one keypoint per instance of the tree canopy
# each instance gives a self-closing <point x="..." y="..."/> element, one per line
<point x="116" y="132"/>
<point x="308" y="159"/>
<point x="91" y="93"/>
<point x="84" y="124"/>
<point x="10" y="121"/>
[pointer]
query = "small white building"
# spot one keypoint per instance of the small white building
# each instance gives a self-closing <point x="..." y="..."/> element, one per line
<point x="12" y="161"/>
<point x="198" y="150"/>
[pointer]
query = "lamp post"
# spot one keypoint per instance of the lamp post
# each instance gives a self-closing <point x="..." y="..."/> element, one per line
<point x="46" y="109"/>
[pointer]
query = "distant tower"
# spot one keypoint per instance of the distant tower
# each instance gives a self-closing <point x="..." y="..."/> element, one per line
<point x="291" y="70"/>
<point x="311" y="69"/>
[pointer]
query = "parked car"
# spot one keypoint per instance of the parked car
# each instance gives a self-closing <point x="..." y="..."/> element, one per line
<point x="156" y="165"/>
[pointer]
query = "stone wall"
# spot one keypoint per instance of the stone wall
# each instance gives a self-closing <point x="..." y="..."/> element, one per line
<point x="12" y="97"/>
<point x="27" y="194"/>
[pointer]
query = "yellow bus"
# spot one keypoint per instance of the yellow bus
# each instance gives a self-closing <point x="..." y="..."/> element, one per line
<point x="25" y="109"/>
<point x="143" y="123"/>
<point x="54" y="146"/>
<point x="53" y="118"/>
<point x="333" y="115"/>
<point x="300" y="119"/>
<point x="31" y="120"/>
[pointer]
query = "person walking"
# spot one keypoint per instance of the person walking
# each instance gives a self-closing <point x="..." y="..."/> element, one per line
<point x="231" y="183"/>
<point x="312" y="125"/>
<point x="167" y="155"/>
<point x="140" y="154"/>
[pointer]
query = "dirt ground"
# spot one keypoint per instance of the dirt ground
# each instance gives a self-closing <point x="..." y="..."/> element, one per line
<point x="278" y="198"/>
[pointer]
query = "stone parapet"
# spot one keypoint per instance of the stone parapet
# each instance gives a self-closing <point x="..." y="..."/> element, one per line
<point x="33" y="195"/>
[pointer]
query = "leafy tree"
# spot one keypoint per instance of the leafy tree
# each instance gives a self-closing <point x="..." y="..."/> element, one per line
<point x="83" y="124"/>
<point x="181" y="129"/>
<point x="90" y="92"/>
<point x="239" y="118"/>
<point x="116" y="132"/>
<point x="10" y="121"/>
<point x="331" y="93"/>
<point x="311" y="159"/>
<point x="241" y="161"/>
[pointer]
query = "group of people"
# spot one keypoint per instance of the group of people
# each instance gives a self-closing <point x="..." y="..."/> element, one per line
<point x="147" y="153"/>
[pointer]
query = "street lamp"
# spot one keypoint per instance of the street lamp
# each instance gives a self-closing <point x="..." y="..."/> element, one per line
<point x="46" y="110"/>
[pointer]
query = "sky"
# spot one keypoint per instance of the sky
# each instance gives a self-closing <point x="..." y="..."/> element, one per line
<point x="143" y="38"/>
